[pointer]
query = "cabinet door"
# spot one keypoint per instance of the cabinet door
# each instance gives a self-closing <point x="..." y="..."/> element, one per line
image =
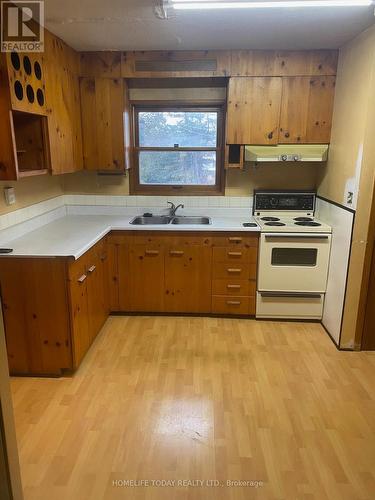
<point x="253" y="110"/>
<point x="103" y="107"/>
<point x="188" y="278"/>
<point x="79" y="313"/>
<point x="96" y="297"/>
<point x="306" y="109"/>
<point x="36" y="315"/>
<point x="146" y="277"/>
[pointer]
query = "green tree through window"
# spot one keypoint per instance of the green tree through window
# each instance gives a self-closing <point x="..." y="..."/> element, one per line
<point x="178" y="146"/>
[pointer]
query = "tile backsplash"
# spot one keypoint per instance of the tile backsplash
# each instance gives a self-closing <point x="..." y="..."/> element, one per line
<point x="46" y="211"/>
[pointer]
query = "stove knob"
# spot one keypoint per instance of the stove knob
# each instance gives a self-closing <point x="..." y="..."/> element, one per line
<point x="284" y="157"/>
<point x="273" y="202"/>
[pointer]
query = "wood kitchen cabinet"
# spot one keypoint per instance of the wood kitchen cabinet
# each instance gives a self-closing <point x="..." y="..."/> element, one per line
<point x="36" y="315"/>
<point x="146" y="276"/>
<point x="104" y="111"/>
<point x="89" y="306"/>
<point x="53" y="309"/>
<point x="306" y="110"/>
<point x="183" y="272"/>
<point x="253" y="110"/>
<point x="188" y="275"/>
<point x="234" y="271"/>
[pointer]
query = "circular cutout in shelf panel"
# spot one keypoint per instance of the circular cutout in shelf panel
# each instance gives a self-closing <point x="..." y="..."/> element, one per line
<point x="30" y="94"/>
<point x="16" y="62"/>
<point x="40" y="97"/>
<point x="27" y="65"/>
<point x="38" y="70"/>
<point x="18" y="90"/>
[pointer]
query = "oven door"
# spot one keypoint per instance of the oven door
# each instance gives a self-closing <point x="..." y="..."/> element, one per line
<point x="294" y="262"/>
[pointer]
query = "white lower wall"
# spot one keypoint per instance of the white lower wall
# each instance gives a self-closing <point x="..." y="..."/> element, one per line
<point x="341" y="221"/>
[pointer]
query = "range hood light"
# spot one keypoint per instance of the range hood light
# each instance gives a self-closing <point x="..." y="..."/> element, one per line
<point x="272" y="4"/>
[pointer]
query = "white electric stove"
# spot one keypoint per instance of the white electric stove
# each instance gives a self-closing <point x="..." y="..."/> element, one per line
<point x="293" y="255"/>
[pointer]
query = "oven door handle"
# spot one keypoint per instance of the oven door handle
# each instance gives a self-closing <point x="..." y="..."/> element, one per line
<point x="301" y="295"/>
<point x="297" y="236"/>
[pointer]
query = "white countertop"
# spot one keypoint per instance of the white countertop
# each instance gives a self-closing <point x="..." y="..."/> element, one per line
<point x="73" y="235"/>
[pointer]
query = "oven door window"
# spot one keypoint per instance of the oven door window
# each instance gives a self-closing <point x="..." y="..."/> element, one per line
<point x="294" y="257"/>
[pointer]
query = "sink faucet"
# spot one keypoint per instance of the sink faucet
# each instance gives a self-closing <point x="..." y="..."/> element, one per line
<point x="173" y="209"/>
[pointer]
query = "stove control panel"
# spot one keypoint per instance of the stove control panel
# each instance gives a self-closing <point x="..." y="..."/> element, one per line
<point x="266" y="200"/>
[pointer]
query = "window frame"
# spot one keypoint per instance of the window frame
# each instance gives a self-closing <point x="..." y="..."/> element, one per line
<point x="164" y="189"/>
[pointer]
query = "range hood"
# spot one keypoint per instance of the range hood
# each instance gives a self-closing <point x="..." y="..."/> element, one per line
<point x="292" y="152"/>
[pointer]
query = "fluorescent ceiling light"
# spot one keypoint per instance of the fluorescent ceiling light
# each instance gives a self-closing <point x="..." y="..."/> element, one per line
<point x="271" y="4"/>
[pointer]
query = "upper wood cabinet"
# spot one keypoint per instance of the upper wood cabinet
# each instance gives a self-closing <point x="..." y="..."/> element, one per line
<point x="63" y="106"/>
<point x="253" y="110"/>
<point x="24" y="141"/>
<point x="280" y="110"/>
<point x="306" y="109"/>
<point x="104" y="111"/>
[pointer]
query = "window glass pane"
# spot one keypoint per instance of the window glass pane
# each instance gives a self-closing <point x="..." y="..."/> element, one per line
<point x="177" y="167"/>
<point x="185" y="128"/>
<point x="294" y="257"/>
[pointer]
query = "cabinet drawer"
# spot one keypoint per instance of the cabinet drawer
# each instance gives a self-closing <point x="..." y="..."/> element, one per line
<point x="235" y="270"/>
<point x="230" y="254"/>
<point x="235" y="239"/>
<point x="294" y="306"/>
<point x="233" y="287"/>
<point x="148" y="239"/>
<point x="228" y="304"/>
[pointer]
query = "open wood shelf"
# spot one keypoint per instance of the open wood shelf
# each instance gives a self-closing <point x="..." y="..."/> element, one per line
<point x="30" y="132"/>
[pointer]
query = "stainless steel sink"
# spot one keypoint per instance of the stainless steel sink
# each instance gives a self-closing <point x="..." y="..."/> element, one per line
<point x="191" y="220"/>
<point x="153" y="220"/>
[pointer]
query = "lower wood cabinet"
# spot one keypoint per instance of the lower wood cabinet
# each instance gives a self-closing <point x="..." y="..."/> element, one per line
<point x="53" y="310"/>
<point x="55" y="307"/>
<point x="184" y="272"/>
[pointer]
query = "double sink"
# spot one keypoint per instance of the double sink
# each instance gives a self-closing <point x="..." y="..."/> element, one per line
<point x="167" y="219"/>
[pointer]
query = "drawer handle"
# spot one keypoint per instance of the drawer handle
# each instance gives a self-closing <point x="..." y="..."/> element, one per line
<point x="176" y="252"/>
<point x="235" y="254"/>
<point x="234" y="286"/>
<point x="152" y="252"/>
<point x="235" y="238"/>
<point x="82" y="278"/>
<point x="233" y="270"/>
<point x="233" y="302"/>
<point x="91" y="269"/>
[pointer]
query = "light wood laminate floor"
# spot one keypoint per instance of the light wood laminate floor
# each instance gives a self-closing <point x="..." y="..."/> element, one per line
<point x="202" y="399"/>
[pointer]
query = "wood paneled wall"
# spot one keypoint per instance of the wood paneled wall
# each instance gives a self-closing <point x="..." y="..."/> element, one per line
<point x="225" y="63"/>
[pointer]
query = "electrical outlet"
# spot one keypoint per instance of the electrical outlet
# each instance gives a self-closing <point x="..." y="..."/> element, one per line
<point x="349" y="197"/>
<point x="9" y="195"/>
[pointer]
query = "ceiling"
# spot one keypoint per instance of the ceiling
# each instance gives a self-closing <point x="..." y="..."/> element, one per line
<point x="132" y="25"/>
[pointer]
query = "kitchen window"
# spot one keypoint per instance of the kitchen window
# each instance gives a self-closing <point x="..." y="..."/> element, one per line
<point x="178" y="149"/>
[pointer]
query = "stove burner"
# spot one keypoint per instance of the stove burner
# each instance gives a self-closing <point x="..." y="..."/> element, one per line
<point x="303" y="219"/>
<point x="270" y="219"/>
<point x="274" y="224"/>
<point x="307" y="223"/>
